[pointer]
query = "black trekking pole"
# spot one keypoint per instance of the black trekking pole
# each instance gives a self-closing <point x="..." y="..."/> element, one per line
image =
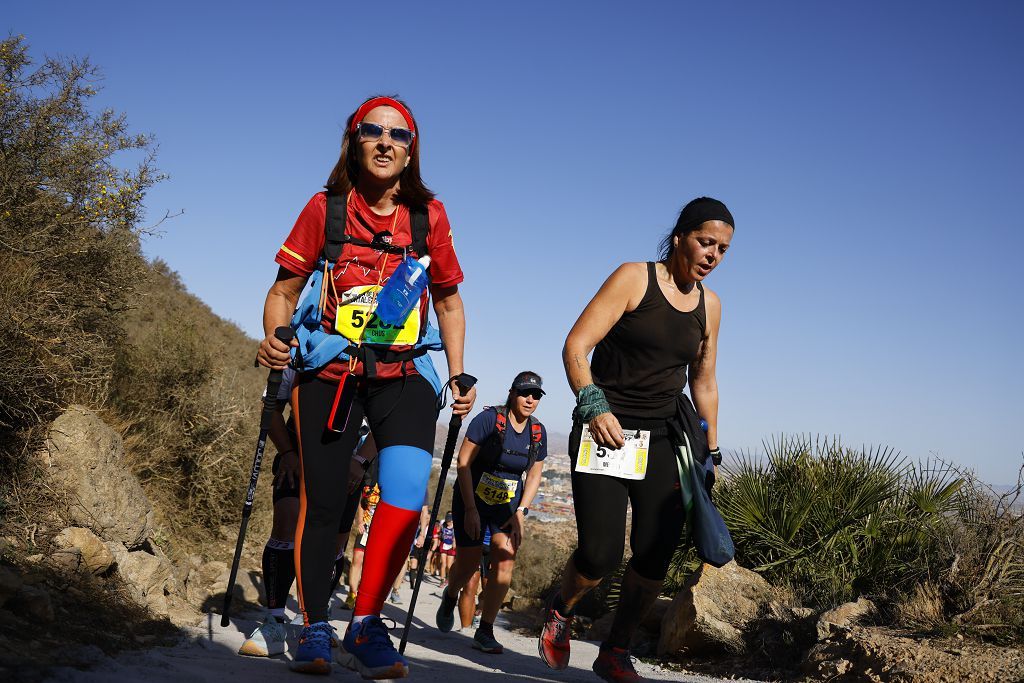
<point x="283" y="334"/>
<point x="465" y="383"/>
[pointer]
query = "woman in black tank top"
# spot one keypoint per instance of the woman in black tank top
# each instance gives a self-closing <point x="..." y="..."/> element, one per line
<point x="651" y="327"/>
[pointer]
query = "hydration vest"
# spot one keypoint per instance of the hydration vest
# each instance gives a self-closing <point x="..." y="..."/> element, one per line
<point x="491" y="450"/>
<point x="317" y="347"/>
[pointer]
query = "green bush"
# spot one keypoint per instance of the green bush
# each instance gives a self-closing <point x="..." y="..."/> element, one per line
<point x="833" y="523"/>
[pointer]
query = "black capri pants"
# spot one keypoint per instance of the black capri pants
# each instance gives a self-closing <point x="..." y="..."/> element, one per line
<point x="600" y="502"/>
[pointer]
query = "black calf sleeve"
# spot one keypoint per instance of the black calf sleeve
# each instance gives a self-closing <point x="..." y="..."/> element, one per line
<point x="338" y="571"/>
<point x="278" y="571"/>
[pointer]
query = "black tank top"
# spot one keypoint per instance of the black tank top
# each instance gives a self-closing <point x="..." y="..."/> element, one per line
<point x="641" y="363"/>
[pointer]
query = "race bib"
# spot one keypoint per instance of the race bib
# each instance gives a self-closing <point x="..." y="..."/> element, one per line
<point x="494" y="490"/>
<point x="357" y="321"/>
<point x="628" y="462"/>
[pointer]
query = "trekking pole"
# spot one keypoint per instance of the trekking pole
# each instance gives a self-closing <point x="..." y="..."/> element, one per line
<point x="465" y="383"/>
<point x="284" y="335"/>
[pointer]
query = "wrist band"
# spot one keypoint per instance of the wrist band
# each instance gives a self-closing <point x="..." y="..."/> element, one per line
<point x="716" y="456"/>
<point x="591" y="402"/>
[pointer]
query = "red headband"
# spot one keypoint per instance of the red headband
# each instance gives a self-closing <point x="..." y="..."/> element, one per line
<point x="382" y="102"/>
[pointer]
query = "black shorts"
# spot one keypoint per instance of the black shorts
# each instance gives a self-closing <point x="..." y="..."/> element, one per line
<point x="494" y="517"/>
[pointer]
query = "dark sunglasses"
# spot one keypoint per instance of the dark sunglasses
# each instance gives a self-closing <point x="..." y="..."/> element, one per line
<point x="536" y="393"/>
<point x="402" y="137"/>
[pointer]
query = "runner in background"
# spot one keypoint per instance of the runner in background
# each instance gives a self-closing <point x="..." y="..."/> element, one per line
<point x="446" y="549"/>
<point x="649" y="326"/>
<point x="502" y="445"/>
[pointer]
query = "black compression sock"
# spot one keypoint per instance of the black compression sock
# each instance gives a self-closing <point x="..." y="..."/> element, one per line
<point x="448" y="600"/>
<point x="337" y="572"/>
<point x="486" y="627"/>
<point x="278" y="571"/>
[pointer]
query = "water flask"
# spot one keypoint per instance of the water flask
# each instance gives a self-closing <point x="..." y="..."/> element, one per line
<point x="403" y="290"/>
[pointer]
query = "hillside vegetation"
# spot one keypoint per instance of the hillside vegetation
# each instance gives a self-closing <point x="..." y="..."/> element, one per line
<point x="84" y="318"/>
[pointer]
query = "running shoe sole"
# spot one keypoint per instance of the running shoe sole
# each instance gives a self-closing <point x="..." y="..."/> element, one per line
<point x="350" y="661"/>
<point x="489" y="650"/>
<point x="316" y="666"/>
<point x="251" y="649"/>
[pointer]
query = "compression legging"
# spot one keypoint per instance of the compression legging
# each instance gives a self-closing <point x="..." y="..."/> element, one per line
<point x="600" y="502"/>
<point x="401" y="414"/>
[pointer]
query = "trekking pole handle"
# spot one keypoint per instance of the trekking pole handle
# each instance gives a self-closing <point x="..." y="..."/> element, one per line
<point x="284" y="335"/>
<point x="465" y="382"/>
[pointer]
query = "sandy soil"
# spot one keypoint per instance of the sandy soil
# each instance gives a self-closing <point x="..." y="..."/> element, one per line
<point x="208" y="655"/>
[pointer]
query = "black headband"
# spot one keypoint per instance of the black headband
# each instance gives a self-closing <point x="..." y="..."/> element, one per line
<point x="702" y="210"/>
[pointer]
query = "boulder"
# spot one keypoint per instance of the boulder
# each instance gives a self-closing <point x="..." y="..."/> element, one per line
<point x="32" y="603"/>
<point x="650" y="624"/>
<point x="10" y="582"/>
<point x="835" y="621"/>
<point x="199" y="586"/>
<point x="85" y="457"/>
<point x="96" y="557"/>
<point x="711" y="611"/>
<point x="148" y="574"/>
<point x="67" y="560"/>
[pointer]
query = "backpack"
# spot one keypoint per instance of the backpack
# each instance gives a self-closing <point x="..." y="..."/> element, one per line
<point x="336" y="238"/>
<point x="316" y="347"/>
<point x="494" y="447"/>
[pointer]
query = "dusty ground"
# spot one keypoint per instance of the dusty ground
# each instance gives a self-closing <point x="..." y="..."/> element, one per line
<point x="208" y="655"/>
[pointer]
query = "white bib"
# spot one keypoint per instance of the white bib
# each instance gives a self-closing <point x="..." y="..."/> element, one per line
<point x="628" y="462"/>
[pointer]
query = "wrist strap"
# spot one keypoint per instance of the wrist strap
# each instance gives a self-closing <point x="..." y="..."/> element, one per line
<point x="716" y="456"/>
<point x="591" y="402"/>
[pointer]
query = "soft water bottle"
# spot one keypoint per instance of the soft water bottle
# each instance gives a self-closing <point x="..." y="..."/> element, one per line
<point x="402" y="291"/>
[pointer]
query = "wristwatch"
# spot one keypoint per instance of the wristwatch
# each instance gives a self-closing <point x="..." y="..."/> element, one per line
<point x="524" y="510"/>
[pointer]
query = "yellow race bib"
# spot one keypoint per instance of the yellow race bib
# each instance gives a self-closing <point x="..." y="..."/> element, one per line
<point x="494" y="490"/>
<point x="357" y="321"/>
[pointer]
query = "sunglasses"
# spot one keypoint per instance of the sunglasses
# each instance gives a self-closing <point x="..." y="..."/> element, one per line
<point x="402" y="137"/>
<point x="535" y="393"/>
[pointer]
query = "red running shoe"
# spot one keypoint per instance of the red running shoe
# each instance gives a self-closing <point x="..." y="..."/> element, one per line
<point x="553" y="644"/>
<point x="614" y="665"/>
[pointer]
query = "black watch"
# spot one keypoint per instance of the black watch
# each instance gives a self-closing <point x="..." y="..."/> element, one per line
<point x="524" y="510"/>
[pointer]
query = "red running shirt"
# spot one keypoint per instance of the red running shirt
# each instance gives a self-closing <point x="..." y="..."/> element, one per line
<point x="361" y="267"/>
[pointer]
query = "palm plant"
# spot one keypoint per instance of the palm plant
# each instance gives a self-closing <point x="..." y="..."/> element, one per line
<point x="833" y="522"/>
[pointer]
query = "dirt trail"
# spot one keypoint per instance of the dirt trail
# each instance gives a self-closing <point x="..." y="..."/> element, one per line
<point x="208" y="655"/>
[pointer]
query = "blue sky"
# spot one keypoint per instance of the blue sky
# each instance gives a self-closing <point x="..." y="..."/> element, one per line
<point x="871" y="153"/>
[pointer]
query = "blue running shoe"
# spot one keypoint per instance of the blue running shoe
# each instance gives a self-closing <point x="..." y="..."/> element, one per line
<point x="367" y="649"/>
<point x="313" y="655"/>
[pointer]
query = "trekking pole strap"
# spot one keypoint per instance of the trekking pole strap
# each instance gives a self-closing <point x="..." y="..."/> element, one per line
<point x="284" y="335"/>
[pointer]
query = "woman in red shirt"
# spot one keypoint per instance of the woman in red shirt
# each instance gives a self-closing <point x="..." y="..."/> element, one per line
<point x="374" y="370"/>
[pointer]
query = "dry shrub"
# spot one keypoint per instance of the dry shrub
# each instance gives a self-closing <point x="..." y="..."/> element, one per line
<point x="546" y="547"/>
<point x="923" y="609"/>
<point x="68" y="239"/>
<point x="982" y="580"/>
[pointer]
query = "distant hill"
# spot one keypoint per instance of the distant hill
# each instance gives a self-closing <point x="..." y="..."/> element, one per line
<point x="558" y="442"/>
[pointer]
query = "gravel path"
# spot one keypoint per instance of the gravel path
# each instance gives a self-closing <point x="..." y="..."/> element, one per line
<point x="208" y="655"/>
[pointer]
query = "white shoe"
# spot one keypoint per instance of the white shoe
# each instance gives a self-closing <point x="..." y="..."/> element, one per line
<point x="396" y="599"/>
<point x="266" y="640"/>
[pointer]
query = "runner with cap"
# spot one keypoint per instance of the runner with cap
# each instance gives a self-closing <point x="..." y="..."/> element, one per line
<point x="502" y="444"/>
<point x="650" y="326"/>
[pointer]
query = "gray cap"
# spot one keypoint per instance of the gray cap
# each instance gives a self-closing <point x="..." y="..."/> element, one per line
<point x="527" y="380"/>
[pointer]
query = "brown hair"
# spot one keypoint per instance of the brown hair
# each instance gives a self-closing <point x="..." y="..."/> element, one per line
<point x="411" y="189"/>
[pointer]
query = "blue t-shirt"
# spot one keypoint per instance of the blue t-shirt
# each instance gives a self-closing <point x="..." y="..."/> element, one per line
<point x="516" y="453"/>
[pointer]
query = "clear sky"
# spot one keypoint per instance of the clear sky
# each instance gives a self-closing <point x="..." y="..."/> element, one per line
<point x="871" y="152"/>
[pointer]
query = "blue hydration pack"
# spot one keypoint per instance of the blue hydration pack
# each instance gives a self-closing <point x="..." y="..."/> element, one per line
<point x="317" y="347"/>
